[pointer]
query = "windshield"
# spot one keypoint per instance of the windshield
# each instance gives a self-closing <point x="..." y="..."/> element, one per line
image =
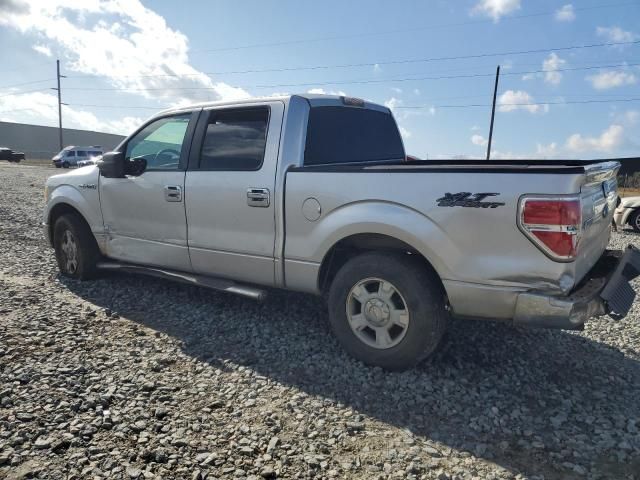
<point x="60" y="154"/>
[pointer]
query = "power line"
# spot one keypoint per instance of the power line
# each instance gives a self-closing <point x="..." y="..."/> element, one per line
<point x="116" y="106"/>
<point x="354" y="82"/>
<point x="23" y="93"/>
<point x="26" y="83"/>
<point x="469" y="105"/>
<point x="343" y="82"/>
<point x="529" y="104"/>
<point x="371" y="64"/>
<point x="403" y="30"/>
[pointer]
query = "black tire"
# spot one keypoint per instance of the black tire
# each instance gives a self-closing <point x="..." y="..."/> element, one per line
<point x="57" y="165"/>
<point x="86" y="249"/>
<point x="634" y="220"/>
<point x="65" y="164"/>
<point x="419" y="289"/>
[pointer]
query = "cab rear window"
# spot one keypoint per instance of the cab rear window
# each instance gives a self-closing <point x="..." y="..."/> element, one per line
<point x="351" y="135"/>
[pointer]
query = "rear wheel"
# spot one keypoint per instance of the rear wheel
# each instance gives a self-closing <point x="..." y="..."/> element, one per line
<point x="387" y="310"/>
<point x="76" y="249"/>
<point x="634" y="220"/>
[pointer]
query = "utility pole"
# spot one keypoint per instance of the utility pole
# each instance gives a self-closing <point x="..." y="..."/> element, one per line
<point x="58" y="76"/>
<point x="493" y="113"/>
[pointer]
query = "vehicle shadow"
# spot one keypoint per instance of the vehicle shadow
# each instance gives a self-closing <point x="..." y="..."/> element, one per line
<point x="528" y="400"/>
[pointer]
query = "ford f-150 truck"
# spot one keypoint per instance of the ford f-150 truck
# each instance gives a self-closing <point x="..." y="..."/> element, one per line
<point x="314" y="193"/>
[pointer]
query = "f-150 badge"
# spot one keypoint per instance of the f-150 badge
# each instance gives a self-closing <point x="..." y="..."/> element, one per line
<point x="467" y="199"/>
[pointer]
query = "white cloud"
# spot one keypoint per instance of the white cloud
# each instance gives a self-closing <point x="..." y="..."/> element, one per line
<point x="512" y="100"/>
<point x="546" y="151"/>
<point x="495" y="8"/>
<point x="416" y="91"/>
<point x="42" y="108"/>
<point x="612" y="79"/>
<point x="396" y="90"/>
<point x="475" y="128"/>
<point x="119" y="40"/>
<point x="565" y="14"/>
<point x="550" y="66"/>
<point x="43" y="49"/>
<point x="479" y="140"/>
<point x="392" y="103"/>
<point x="616" y="34"/>
<point x="631" y="116"/>
<point x="377" y="68"/>
<point x="404" y="132"/>
<point x="607" y="141"/>
<point x="322" y="91"/>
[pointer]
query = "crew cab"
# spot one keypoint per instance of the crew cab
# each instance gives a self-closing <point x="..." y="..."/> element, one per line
<point x="315" y="194"/>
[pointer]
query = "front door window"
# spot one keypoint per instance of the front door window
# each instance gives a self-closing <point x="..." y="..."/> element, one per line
<point x="160" y="143"/>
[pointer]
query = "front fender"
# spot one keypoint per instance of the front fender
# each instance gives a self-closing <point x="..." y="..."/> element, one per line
<point x="87" y="203"/>
<point x="309" y="242"/>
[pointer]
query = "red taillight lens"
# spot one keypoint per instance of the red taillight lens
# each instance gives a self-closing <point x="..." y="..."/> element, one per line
<point x="552" y="212"/>
<point x="553" y="225"/>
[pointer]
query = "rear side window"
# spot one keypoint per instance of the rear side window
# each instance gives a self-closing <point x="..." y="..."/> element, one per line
<point x="235" y="140"/>
<point x="351" y="135"/>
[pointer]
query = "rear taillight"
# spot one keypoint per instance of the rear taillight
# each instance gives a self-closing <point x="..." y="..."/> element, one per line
<point x="552" y="224"/>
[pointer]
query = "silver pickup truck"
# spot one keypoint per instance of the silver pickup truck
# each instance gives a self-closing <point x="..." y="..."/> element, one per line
<point x="315" y="193"/>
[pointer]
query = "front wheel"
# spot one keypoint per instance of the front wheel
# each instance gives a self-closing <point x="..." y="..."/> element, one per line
<point x="634" y="220"/>
<point x="65" y="164"/>
<point x="76" y="249"/>
<point x="387" y="310"/>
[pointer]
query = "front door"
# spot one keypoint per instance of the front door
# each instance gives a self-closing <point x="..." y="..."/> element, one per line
<point x="143" y="213"/>
<point x="230" y="186"/>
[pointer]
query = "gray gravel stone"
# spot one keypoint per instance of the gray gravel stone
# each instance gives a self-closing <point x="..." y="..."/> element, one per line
<point x="183" y="382"/>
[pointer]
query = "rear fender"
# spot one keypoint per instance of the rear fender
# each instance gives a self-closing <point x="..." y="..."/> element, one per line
<point x="371" y="217"/>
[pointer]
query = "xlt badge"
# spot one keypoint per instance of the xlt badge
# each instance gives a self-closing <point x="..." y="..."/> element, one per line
<point x="467" y="199"/>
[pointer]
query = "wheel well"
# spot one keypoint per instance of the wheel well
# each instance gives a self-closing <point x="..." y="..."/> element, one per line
<point x="62" y="209"/>
<point x="349" y="247"/>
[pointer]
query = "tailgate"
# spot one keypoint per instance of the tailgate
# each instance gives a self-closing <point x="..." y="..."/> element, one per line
<point x="598" y="193"/>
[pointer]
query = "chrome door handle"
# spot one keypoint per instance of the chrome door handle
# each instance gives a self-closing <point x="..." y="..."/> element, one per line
<point x="258" y="197"/>
<point x="173" y="193"/>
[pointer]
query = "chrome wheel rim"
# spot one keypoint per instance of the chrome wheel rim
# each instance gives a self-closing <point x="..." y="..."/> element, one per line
<point x="377" y="313"/>
<point x="69" y="249"/>
<point x="637" y="221"/>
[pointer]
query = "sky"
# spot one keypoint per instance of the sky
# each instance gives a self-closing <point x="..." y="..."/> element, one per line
<point x="569" y="84"/>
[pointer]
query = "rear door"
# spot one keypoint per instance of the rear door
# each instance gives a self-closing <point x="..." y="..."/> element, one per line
<point x="230" y="192"/>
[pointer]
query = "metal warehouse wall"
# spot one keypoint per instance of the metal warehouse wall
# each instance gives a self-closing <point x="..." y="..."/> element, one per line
<point x="38" y="142"/>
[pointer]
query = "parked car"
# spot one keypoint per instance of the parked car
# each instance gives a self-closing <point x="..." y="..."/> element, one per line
<point x="628" y="213"/>
<point x="313" y="193"/>
<point x="10" y="155"/>
<point x="70" y="156"/>
<point x="89" y="161"/>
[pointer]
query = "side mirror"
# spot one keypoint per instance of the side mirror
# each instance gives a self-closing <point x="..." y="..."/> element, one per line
<point x="112" y="165"/>
<point x="136" y="166"/>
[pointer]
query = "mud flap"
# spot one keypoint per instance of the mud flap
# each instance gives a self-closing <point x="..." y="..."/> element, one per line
<point x="618" y="294"/>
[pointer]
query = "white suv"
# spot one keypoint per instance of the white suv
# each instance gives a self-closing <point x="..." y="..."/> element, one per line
<point x="75" y="156"/>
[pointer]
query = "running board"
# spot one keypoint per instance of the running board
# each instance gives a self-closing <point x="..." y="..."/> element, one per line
<point x="220" y="284"/>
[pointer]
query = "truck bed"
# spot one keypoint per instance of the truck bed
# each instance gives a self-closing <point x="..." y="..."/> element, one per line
<point x="466" y="246"/>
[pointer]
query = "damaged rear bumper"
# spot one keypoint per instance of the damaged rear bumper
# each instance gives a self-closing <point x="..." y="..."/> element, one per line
<point x="606" y="289"/>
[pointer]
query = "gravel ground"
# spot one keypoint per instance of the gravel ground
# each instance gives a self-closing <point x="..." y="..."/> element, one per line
<point x="132" y="377"/>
